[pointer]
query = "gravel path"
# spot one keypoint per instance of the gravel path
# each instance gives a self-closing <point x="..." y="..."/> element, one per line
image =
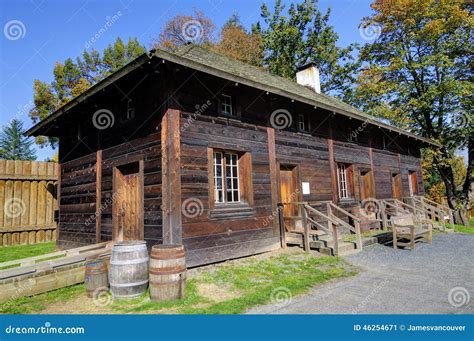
<point x="432" y="279"/>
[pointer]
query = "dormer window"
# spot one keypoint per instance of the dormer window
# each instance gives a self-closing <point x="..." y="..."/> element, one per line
<point x="79" y="133"/>
<point x="353" y="135"/>
<point x="226" y="105"/>
<point x="130" y="113"/>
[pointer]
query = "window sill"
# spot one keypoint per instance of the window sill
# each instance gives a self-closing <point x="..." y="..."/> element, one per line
<point x="226" y="211"/>
<point x="347" y="201"/>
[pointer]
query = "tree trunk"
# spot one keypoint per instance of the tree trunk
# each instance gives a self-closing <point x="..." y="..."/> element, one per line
<point x="460" y="217"/>
<point x="456" y="201"/>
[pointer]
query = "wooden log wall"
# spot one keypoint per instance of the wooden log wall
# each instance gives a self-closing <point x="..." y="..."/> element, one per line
<point x="409" y="163"/>
<point x="147" y="149"/>
<point x="79" y="202"/>
<point x="385" y="164"/>
<point x="27" y="202"/>
<point x="207" y="237"/>
<point x="311" y="154"/>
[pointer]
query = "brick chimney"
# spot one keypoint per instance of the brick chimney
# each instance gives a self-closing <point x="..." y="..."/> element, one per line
<point x="308" y="75"/>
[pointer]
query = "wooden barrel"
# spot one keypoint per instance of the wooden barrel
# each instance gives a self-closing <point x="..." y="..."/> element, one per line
<point x="167" y="272"/>
<point x="95" y="276"/>
<point x="128" y="271"/>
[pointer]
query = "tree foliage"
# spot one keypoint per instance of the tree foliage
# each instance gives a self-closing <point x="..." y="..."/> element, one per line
<point x="13" y="144"/>
<point x="303" y="35"/>
<point x="434" y="185"/>
<point x="282" y="42"/>
<point x="183" y="29"/>
<point x="418" y="74"/>
<point x="71" y="78"/>
<point x="235" y="42"/>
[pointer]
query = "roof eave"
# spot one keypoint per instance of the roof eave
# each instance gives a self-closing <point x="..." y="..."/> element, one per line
<point x="134" y="64"/>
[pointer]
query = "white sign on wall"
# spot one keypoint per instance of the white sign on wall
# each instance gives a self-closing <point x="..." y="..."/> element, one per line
<point x="305" y="186"/>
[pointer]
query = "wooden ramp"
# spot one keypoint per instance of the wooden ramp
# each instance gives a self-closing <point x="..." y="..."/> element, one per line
<point x="35" y="275"/>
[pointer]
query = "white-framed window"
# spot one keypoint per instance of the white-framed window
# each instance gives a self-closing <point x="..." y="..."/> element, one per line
<point x="301" y="123"/>
<point x="226" y="177"/>
<point x="218" y="184"/>
<point x="342" y="181"/>
<point x="226" y="105"/>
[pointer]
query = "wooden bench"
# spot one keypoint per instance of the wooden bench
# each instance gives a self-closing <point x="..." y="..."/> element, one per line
<point x="406" y="227"/>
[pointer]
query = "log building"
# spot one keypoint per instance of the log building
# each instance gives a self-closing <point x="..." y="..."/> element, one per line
<point x="195" y="148"/>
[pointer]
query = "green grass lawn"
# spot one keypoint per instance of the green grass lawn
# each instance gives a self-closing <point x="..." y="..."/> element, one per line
<point x="366" y="234"/>
<point x="228" y="288"/>
<point x="464" y="229"/>
<point x="35" y="304"/>
<point x="8" y="253"/>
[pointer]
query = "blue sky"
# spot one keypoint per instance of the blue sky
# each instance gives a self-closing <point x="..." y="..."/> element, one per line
<point x="53" y="30"/>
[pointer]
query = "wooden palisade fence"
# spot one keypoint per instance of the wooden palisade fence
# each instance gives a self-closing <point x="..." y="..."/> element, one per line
<point x="27" y="202"/>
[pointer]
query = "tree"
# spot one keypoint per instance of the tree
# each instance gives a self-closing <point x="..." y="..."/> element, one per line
<point x="303" y="35"/>
<point x="434" y="185"/>
<point x="183" y="29"/>
<point x="418" y="74"/>
<point x="235" y="42"/>
<point x="13" y="144"/>
<point x="73" y="78"/>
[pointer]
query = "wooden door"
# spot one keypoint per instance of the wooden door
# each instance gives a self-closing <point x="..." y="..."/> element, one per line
<point x="367" y="188"/>
<point x="397" y="186"/>
<point x="128" y="203"/>
<point x="288" y="194"/>
<point x="413" y="183"/>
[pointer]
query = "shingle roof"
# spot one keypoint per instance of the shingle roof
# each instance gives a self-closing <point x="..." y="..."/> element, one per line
<point x="213" y="63"/>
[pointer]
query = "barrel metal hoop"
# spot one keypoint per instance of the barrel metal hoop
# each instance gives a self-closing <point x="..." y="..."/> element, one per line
<point x="167" y="256"/>
<point x="125" y="285"/>
<point x="167" y="271"/>
<point x="165" y="283"/>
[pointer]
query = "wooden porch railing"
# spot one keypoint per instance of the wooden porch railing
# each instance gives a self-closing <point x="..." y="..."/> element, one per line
<point x="333" y="222"/>
<point x="400" y="205"/>
<point x="356" y="228"/>
<point x="432" y="208"/>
